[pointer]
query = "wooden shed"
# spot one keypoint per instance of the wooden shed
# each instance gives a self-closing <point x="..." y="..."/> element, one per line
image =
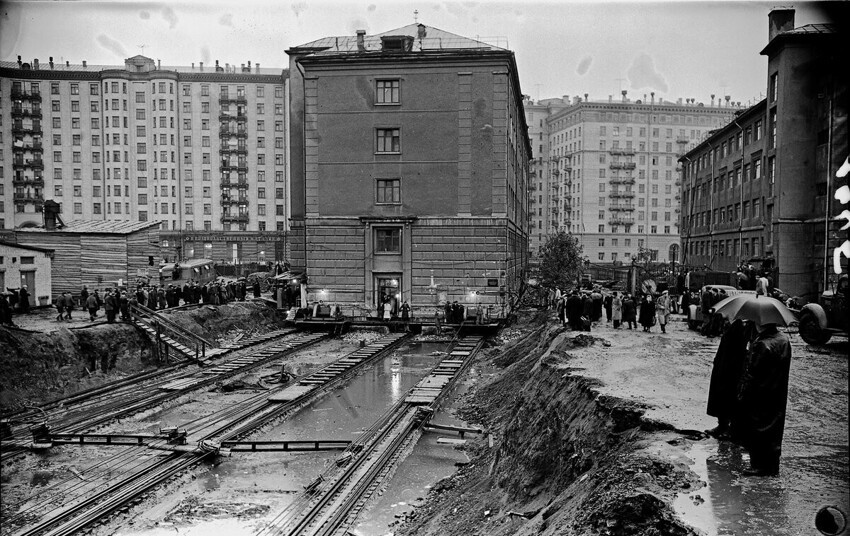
<point x="97" y="253"/>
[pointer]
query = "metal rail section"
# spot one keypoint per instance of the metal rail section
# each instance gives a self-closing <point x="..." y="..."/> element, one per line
<point x="334" y="500"/>
<point x="78" y="413"/>
<point x="204" y="439"/>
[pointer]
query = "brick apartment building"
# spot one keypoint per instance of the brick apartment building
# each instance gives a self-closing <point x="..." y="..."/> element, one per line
<point x="409" y="170"/>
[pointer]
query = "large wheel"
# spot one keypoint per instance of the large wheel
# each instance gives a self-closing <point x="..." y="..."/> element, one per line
<point x="810" y="330"/>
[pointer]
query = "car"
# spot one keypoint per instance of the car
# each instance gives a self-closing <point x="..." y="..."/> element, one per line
<point x="695" y="316"/>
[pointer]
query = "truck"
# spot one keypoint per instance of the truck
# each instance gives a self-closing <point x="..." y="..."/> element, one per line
<point x="830" y="316"/>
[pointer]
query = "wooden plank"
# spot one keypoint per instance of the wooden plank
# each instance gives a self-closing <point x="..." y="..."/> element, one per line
<point x="291" y="393"/>
<point x="450" y="441"/>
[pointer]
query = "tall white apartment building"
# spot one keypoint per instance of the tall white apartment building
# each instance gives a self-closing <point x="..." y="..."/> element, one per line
<point x="203" y="150"/>
<point x="610" y="177"/>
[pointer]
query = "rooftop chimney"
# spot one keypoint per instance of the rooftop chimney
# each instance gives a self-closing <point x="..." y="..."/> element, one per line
<point x="19" y="62"/>
<point x="712" y="99"/>
<point x="158" y="65"/>
<point x="727" y="97"/>
<point x="585" y="97"/>
<point x="361" y="40"/>
<point x="610" y="98"/>
<point x="258" y="68"/>
<point x="201" y="65"/>
<point x="35" y="63"/>
<point x="624" y="95"/>
<point x="652" y="94"/>
<point x="779" y="20"/>
<point x="84" y="64"/>
<point x="51" y="62"/>
<point x="67" y="63"/>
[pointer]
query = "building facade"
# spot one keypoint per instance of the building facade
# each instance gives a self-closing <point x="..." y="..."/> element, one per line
<point x="203" y="150"/>
<point x="27" y="266"/>
<point x="762" y="186"/>
<point x="409" y="171"/>
<point x="609" y="175"/>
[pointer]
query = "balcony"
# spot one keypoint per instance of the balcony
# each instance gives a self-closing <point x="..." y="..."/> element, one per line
<point x="556" y="172"/>
<point x="233" y="149"/>
<point x="234" y="218"/>
<point x="622" y="165"/>
<point x="620" y="220"/>
<point x="621" y="208"/>
<point x="35" y="146"/>
<point x="624" y="195"/>
<point x="37" y="182"/>
<point x="36" y="163"/>
<point x="233" y="184"/>
<point x="622" y="180"/>
<point x="682" y="139"/>
<point x="228" y="168"/>
<point x="29" y="197"/>
<point x="556" y="186"/>
<point x="34" y="130"/>
<point x="23" y="95"/>
<point x="621" y="152"/>
<point x="226" y="202"/>
<point x="224" y="118"/>
<point x="18" y="111"/>
<point x="227" y="99"/>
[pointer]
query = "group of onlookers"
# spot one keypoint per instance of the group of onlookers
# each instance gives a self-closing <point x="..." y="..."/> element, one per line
<point x="580" y="309"/>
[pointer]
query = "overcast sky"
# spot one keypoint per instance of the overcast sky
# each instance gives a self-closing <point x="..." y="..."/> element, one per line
<point x="677" y="49"/>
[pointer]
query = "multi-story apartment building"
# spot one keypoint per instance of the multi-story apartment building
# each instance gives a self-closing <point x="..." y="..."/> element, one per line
<point x="413" y="172"/>
<point x="201" y="149"/>
<point x="542" y="202"/>
<point x="762" y="186"/>
<point x="610" y="173"/>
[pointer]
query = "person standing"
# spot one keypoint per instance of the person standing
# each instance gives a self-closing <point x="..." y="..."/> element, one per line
<point x="60" y="307"/>
<point x="662" y="310"/>
<point x="763" y="397"/>
<point x="388" y="309"/>
<point x="596" y="297"/>
<point x="575" y="307"/>
<point x="92" y="306"/>
<point x="5" y="310"/>
<point x="84" y="296"/>
<point x="110" y="306"/>
<point x="762" y="285"/>
<point x="607" y="303"/>
<point x="617" y="310"/>
<point x="725" y="377"/>
<point x="69" y="305"/>
<point x="646" y="316"/>
<point x="629" y="311"/>
<point x="256" y="288"/>
<point x="24" y="297"/>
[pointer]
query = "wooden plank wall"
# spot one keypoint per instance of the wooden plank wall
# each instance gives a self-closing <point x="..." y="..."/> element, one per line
<point x="66" y="270"/>
<point x="141" y="245"/>
<point x="103" y="259"/>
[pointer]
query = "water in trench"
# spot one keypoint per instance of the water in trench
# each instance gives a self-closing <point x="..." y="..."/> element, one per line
<point x="265" y="483"/>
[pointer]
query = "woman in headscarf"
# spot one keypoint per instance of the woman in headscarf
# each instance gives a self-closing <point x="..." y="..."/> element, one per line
<point x="647" y="312"/>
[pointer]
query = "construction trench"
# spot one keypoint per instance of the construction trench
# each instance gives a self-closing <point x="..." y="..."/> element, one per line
<point x="375" y="433"/>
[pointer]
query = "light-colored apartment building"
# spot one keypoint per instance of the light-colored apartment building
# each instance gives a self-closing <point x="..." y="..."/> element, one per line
<point x="201" y="149"/>
<point x="610" y="173"/>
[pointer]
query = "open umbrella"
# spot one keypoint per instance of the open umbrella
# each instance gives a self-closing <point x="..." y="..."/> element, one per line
<point x="759" y="309"/>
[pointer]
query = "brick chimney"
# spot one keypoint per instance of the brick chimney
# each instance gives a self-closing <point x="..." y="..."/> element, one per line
<point x="779" y="20"/>
<point x="361" y="40"/>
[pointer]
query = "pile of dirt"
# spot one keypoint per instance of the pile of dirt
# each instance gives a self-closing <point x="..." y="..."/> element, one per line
<point x="226" y="323"/>
<point x="565" y="460"/>
<point x="38" y="367"/>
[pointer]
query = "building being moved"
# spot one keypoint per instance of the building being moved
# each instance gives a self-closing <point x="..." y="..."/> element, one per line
<point x="762" y="187"/>
<point x="409" y="171"/>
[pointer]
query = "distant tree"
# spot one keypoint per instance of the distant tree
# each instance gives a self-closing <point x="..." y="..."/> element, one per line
<point x="560" y="260"/>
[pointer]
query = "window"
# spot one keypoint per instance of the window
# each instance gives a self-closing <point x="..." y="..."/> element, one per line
<point x="78" y="208"/>
<point x="278" y="126"/>
<point x="75" y="89"/>
<point x="387" y="92"/>
<point x="279" y="210"/>
<point x="389" y="140"/>
<point x="774" y="86"/>
<point x="387" y="240"/>
<point x="261" y="125"/>
<point x="278" y="193"/>
<point x="261" y="108"/>
<point x="187" y="208"/>
<point x="388" y="191"/>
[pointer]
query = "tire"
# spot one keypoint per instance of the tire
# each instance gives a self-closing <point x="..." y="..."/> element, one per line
<point x="811" y="331"/>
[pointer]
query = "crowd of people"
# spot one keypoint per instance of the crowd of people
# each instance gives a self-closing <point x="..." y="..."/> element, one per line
<point x="579" y="309"/>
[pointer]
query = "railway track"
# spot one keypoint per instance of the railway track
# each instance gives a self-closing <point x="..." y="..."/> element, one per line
<point x="331" y="504"/>
<point x="84" y="411"/>
<point x="126" y="477"/>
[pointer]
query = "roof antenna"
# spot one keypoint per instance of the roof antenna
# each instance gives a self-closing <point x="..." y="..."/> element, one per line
<point x="415" y="15"/>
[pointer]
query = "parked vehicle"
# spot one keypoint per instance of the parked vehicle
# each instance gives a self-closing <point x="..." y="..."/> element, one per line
<point x="695" y="315"/>
<point x="830" y="316"/>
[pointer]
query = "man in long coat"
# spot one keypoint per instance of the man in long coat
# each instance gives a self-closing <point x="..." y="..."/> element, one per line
<point x="762" y="398"/>
<point x="726" y="376"/>
<point x="575" y="307"/>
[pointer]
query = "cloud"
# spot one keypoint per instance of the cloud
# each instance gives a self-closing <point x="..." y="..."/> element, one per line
<point x="170" y="16"/>
<point x="144" y="15"/>
<point x="111" y="45"/>
<point x="642" y="74"/>
<point x="226" y="20"/>
<point x="372" y="7"/>
<point x="584" y="65"/>
<point x="299" y="7"/>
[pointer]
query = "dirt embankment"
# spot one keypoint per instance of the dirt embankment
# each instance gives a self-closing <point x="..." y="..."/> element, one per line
<point x="565" y="460"/>
<point x="38" y="367"/>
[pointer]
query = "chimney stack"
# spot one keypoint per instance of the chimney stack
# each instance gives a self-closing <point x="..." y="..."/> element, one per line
<point x="361" y="40"/>
<point x="84" y="64"/>
<point x="779" y="20"/>
<point x="201" y="65"/>
<point x="652" y="94"/>
<point x="19" y="62"/>
<point x="712" y="100"/>
<point x="585" y="97"/>
<point x="158" y="65"/>
<point x="610" y="99"/>
<point x="624" y="95"/>
<point x="51" y="62"/>
<point x="35" y="64"/>
<point x="67" y="63"/>
<point x="258" y="68"/>
<point x="727" y="97"/>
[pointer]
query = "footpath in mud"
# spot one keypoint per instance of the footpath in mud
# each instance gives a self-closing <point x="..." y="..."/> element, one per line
<point x="601" y="433"/>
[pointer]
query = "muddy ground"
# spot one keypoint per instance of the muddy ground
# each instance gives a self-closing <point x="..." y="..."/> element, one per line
<point x="601" y="434"/>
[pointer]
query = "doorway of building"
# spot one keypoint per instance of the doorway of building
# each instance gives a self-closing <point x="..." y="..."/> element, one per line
<point x="28" y="279"/>
<point x="388" y="289"/>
